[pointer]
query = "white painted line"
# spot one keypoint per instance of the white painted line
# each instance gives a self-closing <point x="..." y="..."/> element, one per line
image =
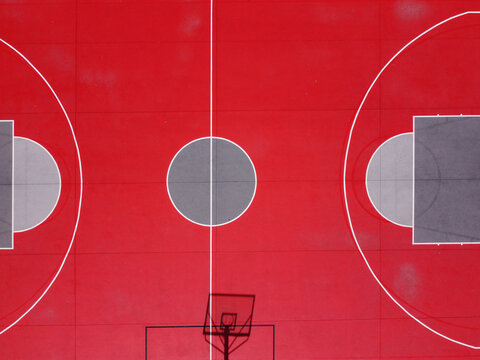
<point x="211" y="181"/>
<point x="13" y="185"/>
<point x="80" y="194"/>
<point x="413" y="177"/>
<point x="345" y="183"/>
<point x="456" y="115"/>
<point x="448" y="243"/>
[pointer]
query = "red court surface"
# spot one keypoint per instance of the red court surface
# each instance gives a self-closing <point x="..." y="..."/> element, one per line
<point x="288" y="79"/>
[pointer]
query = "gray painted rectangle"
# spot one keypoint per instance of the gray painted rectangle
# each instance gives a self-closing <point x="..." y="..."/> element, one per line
<point x="6" y="184"/>
<point x="447" y="180"/>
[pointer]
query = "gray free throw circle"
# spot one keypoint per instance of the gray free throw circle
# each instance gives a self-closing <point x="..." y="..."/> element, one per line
<point x="233" y="181"/>
<point x="36" y="184"/>
<point x="389" y="179"/>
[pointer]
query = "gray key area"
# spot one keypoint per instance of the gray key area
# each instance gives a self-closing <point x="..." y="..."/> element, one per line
<point x="6" y="167"/>
<point x="447" y="180"/>
<point x="233" y="181"/>
<point x="389" y="179"/>
<point x="36" y="184"/>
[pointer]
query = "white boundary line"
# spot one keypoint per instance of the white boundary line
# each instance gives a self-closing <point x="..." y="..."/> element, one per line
<point x="413" y="214"/>
<point x="13" y="185"/>
<point x="211" y="138"/>
<point x="366" y="179"/>
<point x="345" y="184"/>
<point x="440" y="116"/>
<point x="81" y="186"/>
<point x="59" y="183"/>
<point x="211" y="184"/>
<point x="413" y="181"/>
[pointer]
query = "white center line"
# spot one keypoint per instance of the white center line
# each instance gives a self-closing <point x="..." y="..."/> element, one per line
<point x="211" y="176"/>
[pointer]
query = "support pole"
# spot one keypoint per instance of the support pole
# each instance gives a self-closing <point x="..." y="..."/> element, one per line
<point x="225" y="344"/>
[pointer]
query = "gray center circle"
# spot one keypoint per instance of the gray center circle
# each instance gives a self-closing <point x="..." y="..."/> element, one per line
<point x="233" y="181"/>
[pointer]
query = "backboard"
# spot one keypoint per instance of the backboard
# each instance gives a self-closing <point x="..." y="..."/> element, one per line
<point x="229" y="311"/>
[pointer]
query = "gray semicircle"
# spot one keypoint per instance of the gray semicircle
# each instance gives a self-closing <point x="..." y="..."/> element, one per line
<point x="37" y="184"/>
<point x="389" y="179"/>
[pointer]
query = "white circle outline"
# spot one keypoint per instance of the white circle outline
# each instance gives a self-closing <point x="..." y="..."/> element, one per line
<point x="345" y="185"/>
<point x="59" y="188"/>
<point x="80" y="173"/>
<point x="366" y="182"/>
<point x="254" y="173"/>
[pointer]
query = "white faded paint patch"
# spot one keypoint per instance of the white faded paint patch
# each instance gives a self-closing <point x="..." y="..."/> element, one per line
<point x="98" y="77"/>
<point x="410" y="9"/>
<point x="407" y="282"/>
<point x="190" y="25"/>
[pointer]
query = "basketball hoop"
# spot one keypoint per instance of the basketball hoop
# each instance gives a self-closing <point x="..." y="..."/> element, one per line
<point x="230" y="320"/>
